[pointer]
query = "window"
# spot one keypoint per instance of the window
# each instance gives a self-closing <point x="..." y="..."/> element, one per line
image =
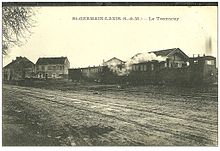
<point x="137" y="67"/>
<point x="176" y="64"/>
<point x="210" y="62"/>
<point x="133" y="67"/>
<point x="170" y="65"/>
<point x="53" y="75"/>
<point x="152" y="67"/>
<point x="165" y="64"/>
<point x="187" y="63"/>
<point x="179" y="65"/>
<point x="195" y="61"/>
<point x="145" y="67"/>
<point x="142" y="67"/>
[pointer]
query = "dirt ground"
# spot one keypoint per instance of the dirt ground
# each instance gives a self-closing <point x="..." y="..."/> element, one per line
<point x="110" y="115"/>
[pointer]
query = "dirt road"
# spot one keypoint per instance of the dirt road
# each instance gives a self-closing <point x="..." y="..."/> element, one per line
<point x="130" y="116"/>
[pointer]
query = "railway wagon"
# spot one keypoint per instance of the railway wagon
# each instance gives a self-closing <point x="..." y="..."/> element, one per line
<point x="92" y="74"/>
<point x="144" y="73"/>
<point x="101" y="74"/>
<point x="203" y="69"/>
<point x="75" y="74"/>
<point x="177" y="76"/>
<point x="85" y="74"/>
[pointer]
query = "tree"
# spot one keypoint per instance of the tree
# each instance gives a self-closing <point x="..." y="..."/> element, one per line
<point x="16" y="24"/>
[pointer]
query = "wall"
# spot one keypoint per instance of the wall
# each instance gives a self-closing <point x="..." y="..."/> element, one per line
<point x="53" y="71"/>
<point x="18" y="71"/>
<point x="176" y="61"/>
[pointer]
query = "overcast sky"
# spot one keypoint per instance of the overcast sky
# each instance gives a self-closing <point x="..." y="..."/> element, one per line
<point x="87" y="43"/>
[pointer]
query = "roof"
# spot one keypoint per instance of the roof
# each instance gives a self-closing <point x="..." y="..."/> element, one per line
<point x="146" y="62"/>
<point x="203" y="57"/>
<point x="10" y="64"/>
<point x="136" y="55"/>
<point x="51" y="60"/>
<point x="115" y="59"/>
<point x="168" y="52"/>
<point x="164" y="53"/>
<point x="19" y="60"/>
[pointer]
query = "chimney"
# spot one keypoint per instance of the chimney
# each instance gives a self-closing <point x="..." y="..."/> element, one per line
<point x="103" y="62"/>
<point x="208" y="46"/>
<point x="17" y="58"/>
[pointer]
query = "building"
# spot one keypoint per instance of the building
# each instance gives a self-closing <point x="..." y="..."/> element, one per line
<point x="113" y="62"/>
<point x="115" y="65"/>
<point x="19" y="69"/>
<point x="176" y="58"/>
<point x="55" y="67"/>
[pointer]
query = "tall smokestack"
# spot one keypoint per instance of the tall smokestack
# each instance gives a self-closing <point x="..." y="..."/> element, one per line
<point x="208" y="46"/>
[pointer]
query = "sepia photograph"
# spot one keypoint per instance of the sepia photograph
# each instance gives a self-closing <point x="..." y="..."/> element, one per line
<point x="110" y="74"/>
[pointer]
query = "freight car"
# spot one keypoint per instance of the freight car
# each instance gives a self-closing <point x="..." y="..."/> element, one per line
<point x="86" y="74"/>
<point x="101" y="74"/>
<point x="199" y="70"/>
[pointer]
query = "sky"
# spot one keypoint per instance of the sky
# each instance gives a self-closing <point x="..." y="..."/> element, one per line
<point x="89" y="42"/>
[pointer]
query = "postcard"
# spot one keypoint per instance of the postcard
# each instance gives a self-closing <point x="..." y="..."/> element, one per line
<point x="109" y="74"/>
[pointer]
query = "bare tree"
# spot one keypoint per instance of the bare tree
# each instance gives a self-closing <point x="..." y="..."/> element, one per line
<point x="16" y="24"/>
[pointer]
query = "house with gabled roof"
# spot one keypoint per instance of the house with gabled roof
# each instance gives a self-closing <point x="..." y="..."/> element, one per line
<point x="175" y="57"/>
<point x="19" y="69"/>
<point x="52" y="67"/>
<point x="113" y="62"/>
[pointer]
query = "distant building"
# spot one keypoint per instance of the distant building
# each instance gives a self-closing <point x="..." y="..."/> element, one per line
<point x="52" y="67"/>
<point x="18" y="69"/>
<point x="116" y="65"/>
<point x="113" y="62"/>
<point x="176" y="58"/>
